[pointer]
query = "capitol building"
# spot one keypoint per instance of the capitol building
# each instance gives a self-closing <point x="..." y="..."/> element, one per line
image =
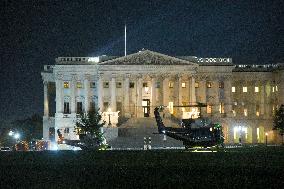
<point x="242" y="98"/>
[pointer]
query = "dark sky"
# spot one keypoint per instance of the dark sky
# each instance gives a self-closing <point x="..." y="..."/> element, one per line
<point x="35" y="32"/>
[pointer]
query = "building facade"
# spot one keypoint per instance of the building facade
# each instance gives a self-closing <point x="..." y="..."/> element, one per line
<point x="241" y="97"/>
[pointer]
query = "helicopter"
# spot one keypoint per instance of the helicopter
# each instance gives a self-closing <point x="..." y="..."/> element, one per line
<point x="200" y="132"/>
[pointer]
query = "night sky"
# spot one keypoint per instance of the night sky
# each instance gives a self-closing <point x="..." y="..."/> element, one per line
<point x="35" y="32"/>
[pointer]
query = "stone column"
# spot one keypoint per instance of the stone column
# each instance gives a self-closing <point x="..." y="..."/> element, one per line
<point x="154" y="95"/>
<point x="281" y="88"/>
<point x="46" y="108"/>
<point x="139" y="97"/>
<point x="113" y="93"/>
<point x="227" y="94"/>
<point x="192" y="96"/>
<point x="72" y="90"/>
<point x="262" y="98"/>
<point x="202" y="94"/>
<point x="59" y="95"/>
<point x="126" y="95"/>
<point x="216" y="101"/>
<point x="268" y="108"/>
<point x="100" y="92"/>
<point x="86" y="87"/>
<point x="165" y="91"/>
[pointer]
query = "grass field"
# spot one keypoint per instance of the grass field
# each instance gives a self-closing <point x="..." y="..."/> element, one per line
<point x="242" y="168"/>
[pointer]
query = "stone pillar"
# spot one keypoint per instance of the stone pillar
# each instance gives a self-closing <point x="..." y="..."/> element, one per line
<point x="268" y="108"/>
<point x="154" y="95"/>
<point x="254" y="134"/>
<point x="59" y="94"/>
<point x="72" y="94"/>
<point x="100" y="92"/>
<point x="192" y="96"/>
<point x="281" y="88"/>
<point x="126" y="95"/>
<point x="165" y="91"/>
<point x="228" y="96"/>
<point x="216" y="101"/>
<point x="139" y="112"/>
<point x="45" y="90"/>
<point x="86" y="87"/>
<point x="202" y="94"/>
<point x="113" y="93"/>
<point x="262" y="99"/>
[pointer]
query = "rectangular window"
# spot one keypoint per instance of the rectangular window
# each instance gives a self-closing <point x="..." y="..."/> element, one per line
<point x="131" y="85"/>
<point x="196" y="84"/>
<point x="79" y="85"/>
<point x="209" y="109"/>
<point x="106" y="85"/>
<point x="66" y="130"/>
<point x="145" y="84"/>
<point x="276" y="88"/>
<point x="245" y="112"/>
<point x="92" y="84"/>
<point x="221" y="84"/>
<point x="209" y="84"/>
<point x="66" y="85"/>
<point x="171" y="84"/>
<point x="158" y="84"/>
<point x="92" y="106"/>
<point x="233" y="89"/>
<point x="79" y="107"/>
<point x="273" y="89"/>
<point x="256" y="89"/>
<point x="257" y="110"/>
<point x="66" y="108"/>
<point x="183" y="85"/>
<point x="118" y="84"/>
<point x="245" y="89"/>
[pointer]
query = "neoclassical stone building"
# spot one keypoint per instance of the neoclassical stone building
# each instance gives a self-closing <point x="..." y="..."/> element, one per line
<point x="241" y="97"/>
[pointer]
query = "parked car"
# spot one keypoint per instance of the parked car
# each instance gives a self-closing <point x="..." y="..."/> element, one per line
<point x="3" y="149"/>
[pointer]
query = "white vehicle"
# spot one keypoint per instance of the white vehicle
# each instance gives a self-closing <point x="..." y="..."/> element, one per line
<point x="3" y="149"/>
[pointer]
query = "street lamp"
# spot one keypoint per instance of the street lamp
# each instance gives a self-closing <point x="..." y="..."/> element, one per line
<point x="266" y="134"/>
<point x="109" y="112"/>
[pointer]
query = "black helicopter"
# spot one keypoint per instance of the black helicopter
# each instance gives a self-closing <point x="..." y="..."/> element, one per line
<point x="199" y="132"/>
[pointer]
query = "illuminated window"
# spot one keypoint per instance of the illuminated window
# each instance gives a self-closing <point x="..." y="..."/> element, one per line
<point x="106" y="85"/>
<point x="118" y="84"/>
<point x="256" y="89"/>
<point x="221" y="84"/>
<point x="276" y="88"/>
<point x="209" y="109"/>
<point x="131" y="85"/>
<point x="245" y="112"/>
<point x="196" y="84"/>
<point x="171" y="107"/>
<point x="221" y="108"/>
<point x="257" y="110"/>
<point x="209" y="84"/>
<point x="257" y="133"/>
<point x="79" y="85"/>
<point x="66" y="85"/>
<point x="233" y="89"/>
<point x="183" y="85"/>
<point x="273" y="89"/>
<point x="92" y="84"/>
<point x="245" y="89"/>
<point x="171" y="84"/>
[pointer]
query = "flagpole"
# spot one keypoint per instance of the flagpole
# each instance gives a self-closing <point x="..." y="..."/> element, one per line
<point x="125" y="40"/>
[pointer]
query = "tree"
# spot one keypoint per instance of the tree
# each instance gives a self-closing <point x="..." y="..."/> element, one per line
<point x="88" y="127"/>
<point x="278" y="121"/>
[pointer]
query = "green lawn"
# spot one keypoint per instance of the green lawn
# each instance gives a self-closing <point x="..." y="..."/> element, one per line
<point x="242" y="168"/>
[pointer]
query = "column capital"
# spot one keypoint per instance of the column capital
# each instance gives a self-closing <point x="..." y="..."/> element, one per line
<point x="74" y="77"/>
<point x="87" y="77"/>
<point x="113" y="75"/>
<point x="59" y="76"/>
<point x="100" y="75"/>
<point x="127" y="75"/>
<point x="45" y="83"/>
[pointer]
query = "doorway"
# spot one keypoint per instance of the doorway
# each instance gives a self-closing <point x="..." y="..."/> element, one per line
<point x="146" y="107"/>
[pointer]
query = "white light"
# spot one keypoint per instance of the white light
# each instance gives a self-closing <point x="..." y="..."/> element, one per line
<point x="11" y="133"/>
<point x="94" y="59"/>
<point x="63" y="142"/>
<point x="17" y="136"/>
<point x="109" y="110"/>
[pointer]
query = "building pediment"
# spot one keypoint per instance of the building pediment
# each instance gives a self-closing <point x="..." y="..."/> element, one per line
<point x="147" y="57"/>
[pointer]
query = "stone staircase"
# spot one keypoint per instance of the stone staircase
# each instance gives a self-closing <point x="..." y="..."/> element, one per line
<point x="131" y="134"/>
